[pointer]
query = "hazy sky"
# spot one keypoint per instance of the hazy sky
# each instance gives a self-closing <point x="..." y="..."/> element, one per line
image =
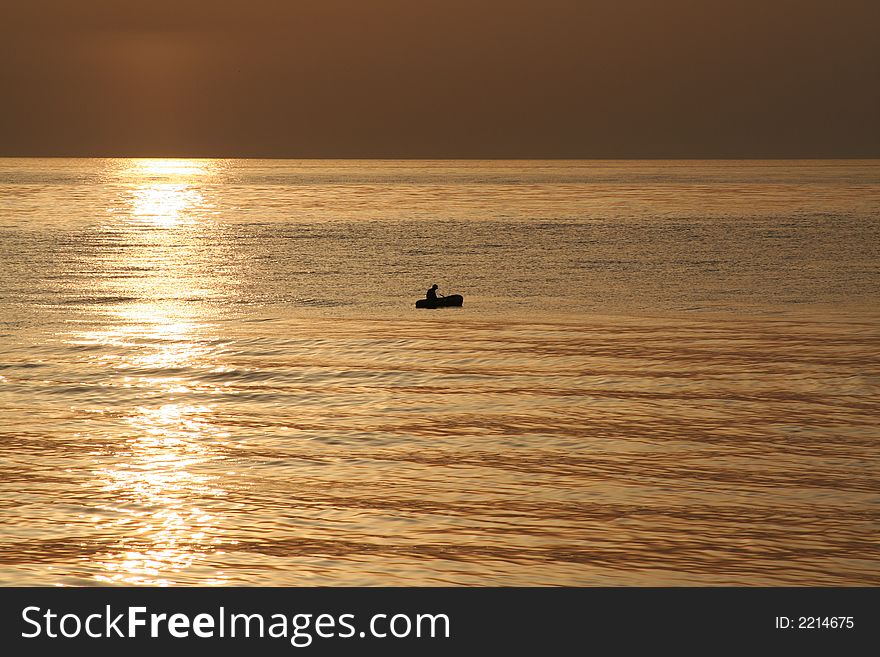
<point x="450" y="78"/>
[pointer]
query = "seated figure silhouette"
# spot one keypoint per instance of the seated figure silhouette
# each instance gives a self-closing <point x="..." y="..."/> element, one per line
<point x="434" y="300"/>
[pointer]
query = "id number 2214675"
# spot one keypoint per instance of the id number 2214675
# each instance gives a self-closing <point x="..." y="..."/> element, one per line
<point x="815" y="622"/>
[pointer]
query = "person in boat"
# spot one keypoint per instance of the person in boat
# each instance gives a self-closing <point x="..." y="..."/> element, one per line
<point x="431" y="294"/>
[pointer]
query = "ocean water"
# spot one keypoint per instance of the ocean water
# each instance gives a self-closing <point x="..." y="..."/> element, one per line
<point x="664" y="373"/>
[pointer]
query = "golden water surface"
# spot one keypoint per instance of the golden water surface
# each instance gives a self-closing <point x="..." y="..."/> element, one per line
<point x="212" y="373"/>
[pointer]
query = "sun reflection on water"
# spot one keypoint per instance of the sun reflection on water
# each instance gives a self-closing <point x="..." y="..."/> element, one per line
<point x="164" y="204"/>
<point x="162" y="491"/>
<point x="146" y="167"/>
<point x="165" y="194"/>
<point x="160" y="483"/>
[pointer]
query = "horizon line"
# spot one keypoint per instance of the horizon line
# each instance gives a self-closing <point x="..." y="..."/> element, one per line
<point x="768" y="157"/>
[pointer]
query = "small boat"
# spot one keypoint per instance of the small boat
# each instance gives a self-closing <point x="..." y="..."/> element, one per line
<point x="441" y="302"/>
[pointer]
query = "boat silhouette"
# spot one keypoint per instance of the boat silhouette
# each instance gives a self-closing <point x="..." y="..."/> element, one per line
<point x="453" y="300"/>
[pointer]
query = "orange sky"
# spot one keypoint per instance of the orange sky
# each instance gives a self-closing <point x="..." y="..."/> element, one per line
<point x="450" y="78"/>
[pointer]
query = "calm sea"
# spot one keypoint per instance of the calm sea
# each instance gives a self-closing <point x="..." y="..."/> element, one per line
<point x="664" y="373"/>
